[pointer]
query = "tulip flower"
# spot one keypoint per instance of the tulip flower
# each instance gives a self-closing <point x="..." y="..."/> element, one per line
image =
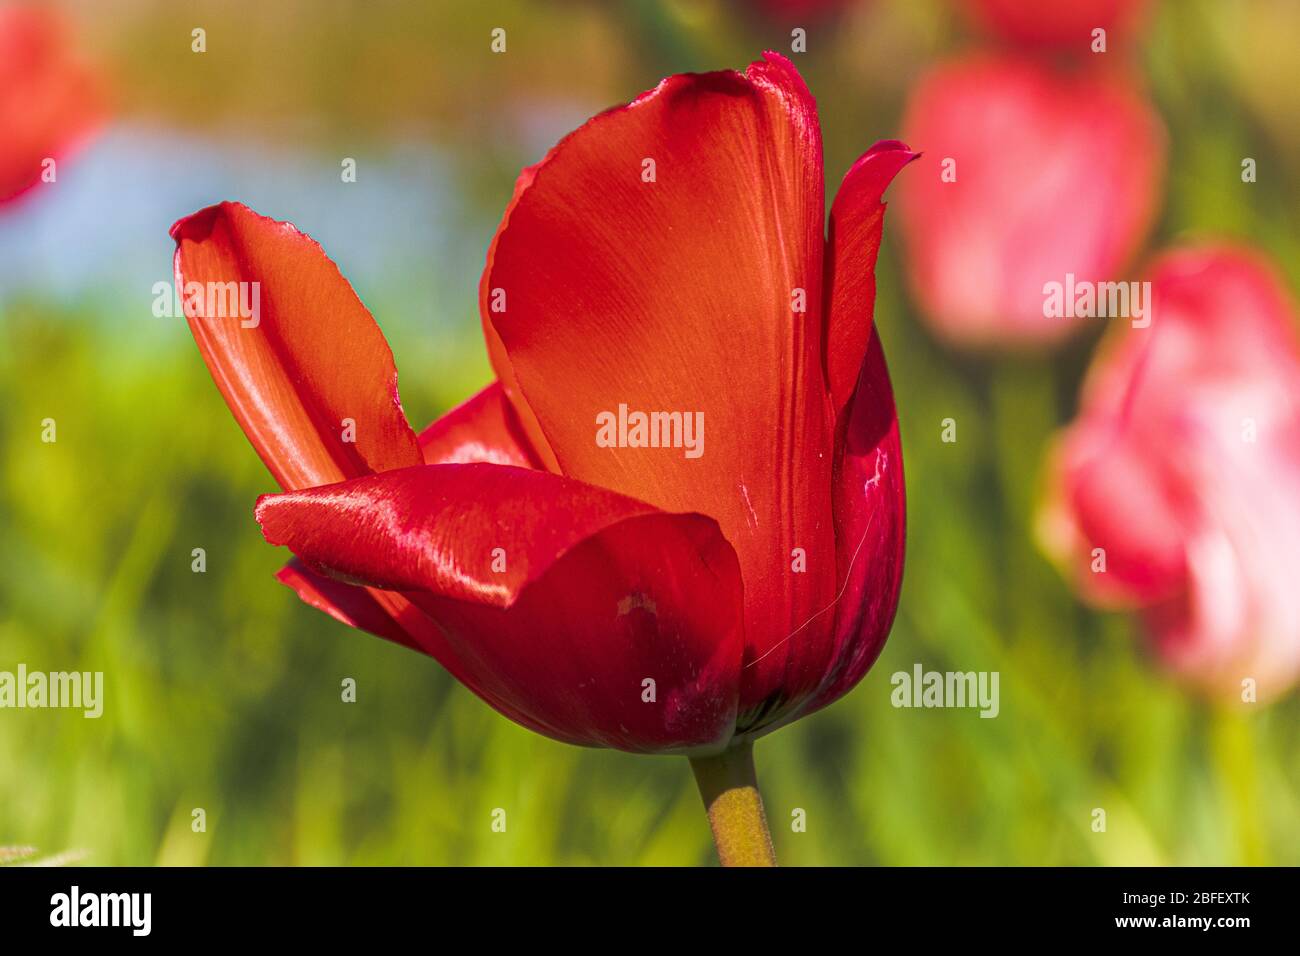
<point x="661" y="284"/>
<point x="1174" y="491"/>
<point x="1033" y="175"/>
<point x="48" y="100"/>
<point x="1065" y="25"/>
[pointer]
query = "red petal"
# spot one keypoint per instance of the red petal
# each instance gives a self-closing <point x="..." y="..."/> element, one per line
<point x="496" y="348"/>
<point x="483" y="428"/>
<point x="870" y="526"/>
<point x="48" y="101"/>
<point x="857" y="219"/>
<point x="480" y="429"/>
<point x="309" y="359"/>
<point x="838" y="645"/>
<point x="677" y="296"/>
<point x="597" y="593"/>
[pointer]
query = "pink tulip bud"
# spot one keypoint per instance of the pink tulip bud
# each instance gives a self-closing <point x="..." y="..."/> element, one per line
<point x="1174" y="491"/>
<point x="1031" y="176"/>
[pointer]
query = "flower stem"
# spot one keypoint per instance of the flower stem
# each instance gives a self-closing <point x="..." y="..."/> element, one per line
<point x="729" y="787"/>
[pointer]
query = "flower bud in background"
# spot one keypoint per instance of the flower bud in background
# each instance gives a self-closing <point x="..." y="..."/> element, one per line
<point x="1175" y="489"/>
<point x="48" y="99"/>
<point x="1031" y="176"/>
<point x="1065" y="25"/>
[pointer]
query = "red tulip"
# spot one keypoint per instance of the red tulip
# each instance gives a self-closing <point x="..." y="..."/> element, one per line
<point x="1183" y="467"/>
<point x="1033" y="175"/>
<point x="668" y="257"/>
<point x="48" y="100"/>
<point x="1059" y="24"/>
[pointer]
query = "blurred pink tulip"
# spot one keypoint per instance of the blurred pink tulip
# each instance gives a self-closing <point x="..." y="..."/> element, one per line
<point x="48" y="99"/>
<point x="1183" y="466"/>
<point x="1057" y="24"/>
<point x="1029" y="174"/>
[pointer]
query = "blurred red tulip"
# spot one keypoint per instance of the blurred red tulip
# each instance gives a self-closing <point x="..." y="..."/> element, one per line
<point x="1058" y="24"/>
<point x="1184" y="465"/>
<point x="667" y="257"/>
<point x="1032" y="175"/>
<point x="49" y="101"/>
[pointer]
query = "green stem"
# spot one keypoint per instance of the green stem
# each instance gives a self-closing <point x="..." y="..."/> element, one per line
<point x="1233" y="751"/>
<point x="729" y="787"/>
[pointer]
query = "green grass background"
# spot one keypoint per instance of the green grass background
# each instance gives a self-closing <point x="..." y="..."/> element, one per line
<point x="223" y="691"/>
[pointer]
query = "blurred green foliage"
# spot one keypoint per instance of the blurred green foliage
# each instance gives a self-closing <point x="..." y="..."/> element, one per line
<point x="223" y="691"/>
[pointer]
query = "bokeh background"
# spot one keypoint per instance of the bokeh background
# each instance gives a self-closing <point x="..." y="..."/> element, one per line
<point x="223" y="691"/>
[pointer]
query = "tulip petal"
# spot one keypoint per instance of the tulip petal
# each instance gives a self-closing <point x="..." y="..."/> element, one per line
<point x="668" y="257"/>
<point x="857" y="221"/>
<point x="870" y="519"/>
<point x="1103" y="498"/>
<point x="561" y="598"/>
<point x="493" y="299"/>
<point x="480" y="429"/>
<point x="298" y="358"/>
<point x="870" y="527"/>
<point x="483" y="428"/>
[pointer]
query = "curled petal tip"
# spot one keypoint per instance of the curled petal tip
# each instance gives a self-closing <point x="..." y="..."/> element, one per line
<point x="876" y="168"/>
<point x="197" y="225"/>
<point x="891" y="146"/>
<point x="262" y="515"/>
